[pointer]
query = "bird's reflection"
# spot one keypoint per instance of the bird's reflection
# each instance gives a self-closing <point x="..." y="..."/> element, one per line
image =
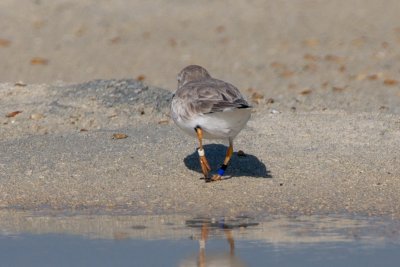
<point x="211" y="228"/>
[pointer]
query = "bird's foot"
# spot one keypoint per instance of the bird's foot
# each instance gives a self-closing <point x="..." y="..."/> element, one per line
<point x="205" y="167"/>
<point x="214" y="178"/>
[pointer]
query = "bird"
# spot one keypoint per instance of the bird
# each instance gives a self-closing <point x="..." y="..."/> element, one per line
<point x="208" y="108"/>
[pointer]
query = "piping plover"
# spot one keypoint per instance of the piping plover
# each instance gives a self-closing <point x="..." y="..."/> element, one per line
<point x="208" y="108"/>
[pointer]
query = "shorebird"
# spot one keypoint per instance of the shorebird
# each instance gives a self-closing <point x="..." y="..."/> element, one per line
<point x="209" y="108"/>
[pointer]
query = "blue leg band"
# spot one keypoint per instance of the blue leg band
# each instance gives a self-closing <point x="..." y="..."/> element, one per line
<point x="221" y="170"/>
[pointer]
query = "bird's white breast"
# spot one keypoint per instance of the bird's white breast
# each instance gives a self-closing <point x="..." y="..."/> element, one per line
<point x="218" y="125"/>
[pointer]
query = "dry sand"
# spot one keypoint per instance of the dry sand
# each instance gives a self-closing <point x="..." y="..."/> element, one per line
<point x="326" y="161"/>
<point x="323" y="77"/>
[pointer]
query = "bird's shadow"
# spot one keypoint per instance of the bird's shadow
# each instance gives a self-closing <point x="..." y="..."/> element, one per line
<point x="243" y="165"/>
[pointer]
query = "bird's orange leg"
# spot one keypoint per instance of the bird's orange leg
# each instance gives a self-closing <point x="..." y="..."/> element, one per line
<point x="205" y="167"/>
<point x="223" y="167"/>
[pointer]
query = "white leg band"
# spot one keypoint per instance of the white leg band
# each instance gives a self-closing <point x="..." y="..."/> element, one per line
<point x="201" y="152"/>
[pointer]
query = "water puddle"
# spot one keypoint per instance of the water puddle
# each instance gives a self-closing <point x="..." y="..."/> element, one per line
<point x="27" y="239"/>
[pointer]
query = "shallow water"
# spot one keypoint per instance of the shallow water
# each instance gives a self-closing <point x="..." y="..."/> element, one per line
<point x="104" y="240"/>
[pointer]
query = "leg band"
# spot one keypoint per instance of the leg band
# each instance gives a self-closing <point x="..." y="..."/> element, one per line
<point x="201" y="152"/>
<point x="222" y="169"/>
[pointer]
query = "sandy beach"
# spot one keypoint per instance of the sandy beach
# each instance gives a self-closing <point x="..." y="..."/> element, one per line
<point x="323" y="78"/>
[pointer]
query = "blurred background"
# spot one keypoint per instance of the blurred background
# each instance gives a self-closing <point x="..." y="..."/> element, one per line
<point x="263" y="44"/>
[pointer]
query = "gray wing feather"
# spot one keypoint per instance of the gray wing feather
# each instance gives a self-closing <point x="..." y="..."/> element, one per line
<point x="212" y="95"/>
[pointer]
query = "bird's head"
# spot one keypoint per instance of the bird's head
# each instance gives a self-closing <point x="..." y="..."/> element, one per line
<point x="192" y="73"/>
